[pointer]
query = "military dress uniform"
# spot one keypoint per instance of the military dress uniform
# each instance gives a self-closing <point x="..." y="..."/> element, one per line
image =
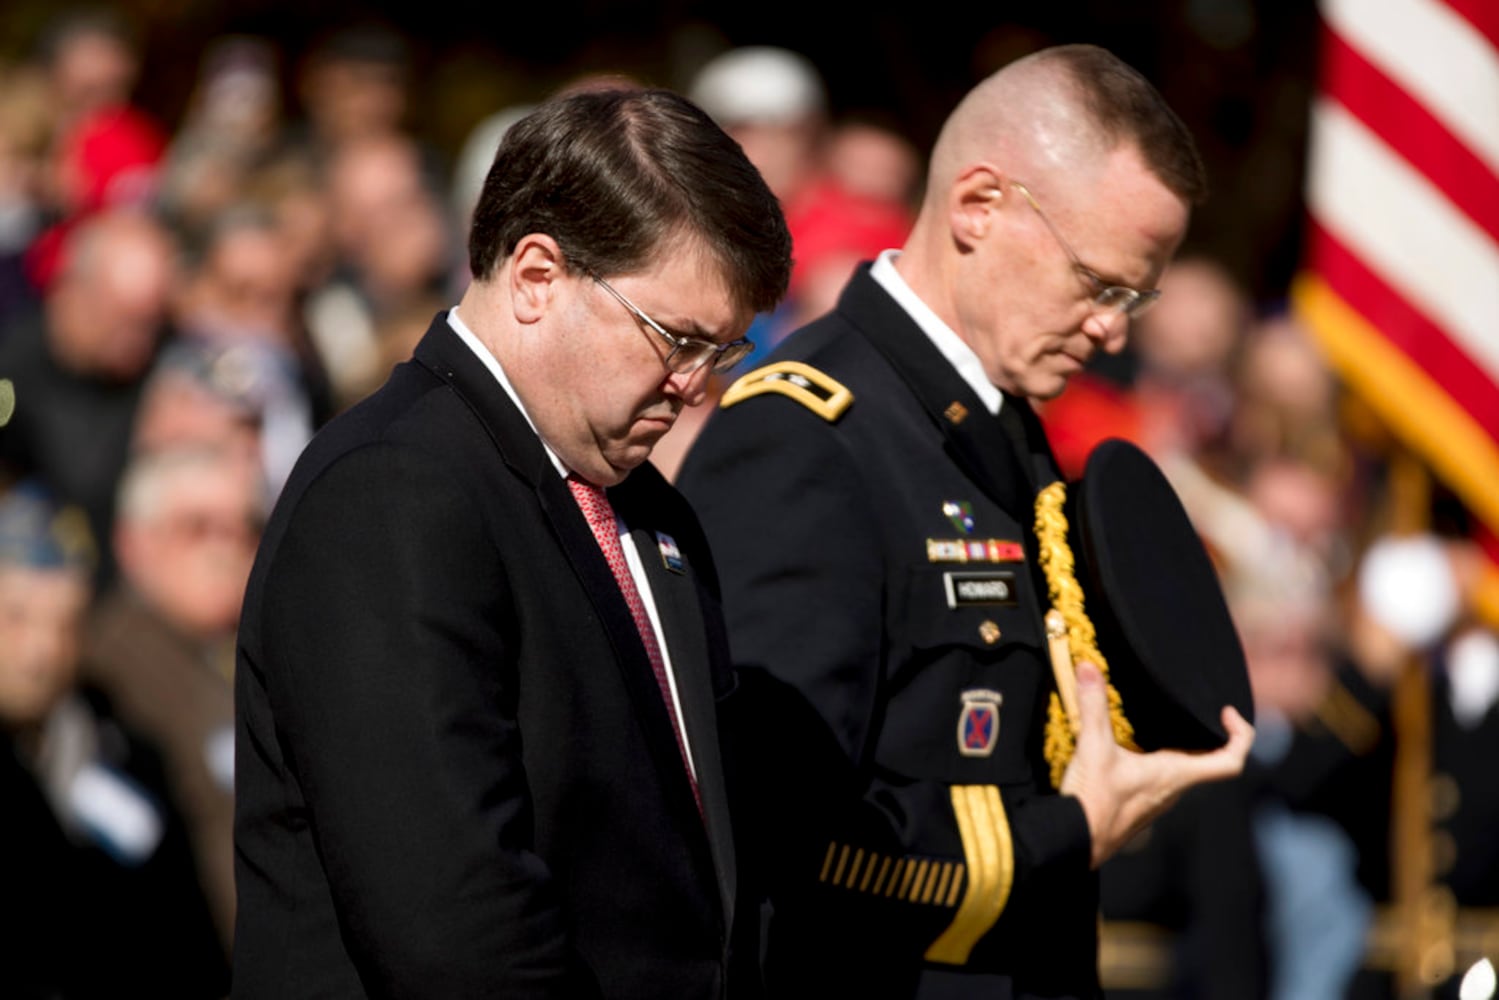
<point x="1461" y="898"/>
<point x="872" y="522"/>
<point x="1340" y="765"/>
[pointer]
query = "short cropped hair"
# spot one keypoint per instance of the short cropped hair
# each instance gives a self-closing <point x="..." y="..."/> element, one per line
<point x="613" y="175"/>
<point x="1126" y="107"/>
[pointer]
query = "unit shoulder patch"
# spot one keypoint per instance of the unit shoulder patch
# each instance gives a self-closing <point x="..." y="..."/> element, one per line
<point x="818" y="392"/>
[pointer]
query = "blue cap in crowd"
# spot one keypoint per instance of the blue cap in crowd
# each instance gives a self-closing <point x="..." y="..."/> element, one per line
<point x="38" y="533"/>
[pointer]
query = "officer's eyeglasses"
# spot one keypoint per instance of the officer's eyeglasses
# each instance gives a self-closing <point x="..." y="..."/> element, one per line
<point x="1112" y="299"/>
<point x="687" y="354"/>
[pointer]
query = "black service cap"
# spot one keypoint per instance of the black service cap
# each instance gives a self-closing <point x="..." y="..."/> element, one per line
<point x="1155" y="602"/>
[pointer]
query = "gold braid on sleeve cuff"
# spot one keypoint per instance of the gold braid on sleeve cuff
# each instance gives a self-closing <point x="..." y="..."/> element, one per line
<point x="1067" y="598"/>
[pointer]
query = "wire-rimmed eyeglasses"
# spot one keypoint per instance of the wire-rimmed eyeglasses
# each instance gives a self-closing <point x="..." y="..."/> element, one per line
<point x="687" y="354"/>
<point x="1106" y="297"/>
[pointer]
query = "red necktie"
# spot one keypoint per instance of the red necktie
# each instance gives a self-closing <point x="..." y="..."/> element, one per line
<point x="600" y="515"/>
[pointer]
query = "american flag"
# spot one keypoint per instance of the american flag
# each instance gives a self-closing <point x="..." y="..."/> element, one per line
<point x="1401" y="280"/>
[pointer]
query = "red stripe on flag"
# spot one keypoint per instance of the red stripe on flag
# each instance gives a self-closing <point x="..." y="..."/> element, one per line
<point x="1483" y="15"/>
<point x="1488" y="541"/>
<point x="1407" y="127"/>
<point x="1486" y="599"/>
<point x="1406" y="327"/>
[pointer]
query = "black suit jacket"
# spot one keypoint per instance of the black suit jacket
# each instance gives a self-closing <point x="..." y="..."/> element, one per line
<point x="456" y="775"/>
<point x="847" y="612"/>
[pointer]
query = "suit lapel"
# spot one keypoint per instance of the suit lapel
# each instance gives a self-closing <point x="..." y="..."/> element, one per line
<point x="450" y="359"/>
<point x="634" y="665"/>
<point x="674" y="589"/>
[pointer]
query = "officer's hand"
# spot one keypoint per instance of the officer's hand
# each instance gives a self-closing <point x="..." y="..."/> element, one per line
<point x="1122" y="791"/>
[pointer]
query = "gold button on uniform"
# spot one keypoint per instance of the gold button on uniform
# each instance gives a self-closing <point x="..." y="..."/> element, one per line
<point x="1445" y="796"/>
<point x="989" y="632"/>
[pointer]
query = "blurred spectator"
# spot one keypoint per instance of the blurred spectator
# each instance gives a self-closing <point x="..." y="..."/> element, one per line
<point x="834" y="230"/>
<point x="1465" y="849"/>
<point x="1288" y="398"/>
<point x="1171" y="392"/>
<point x="393" y="245"/>
<point x="294" y="193"/>
<point x="1318" y="915"/>
<point x="1287" y="630"/>
<point x="773" y="103"/>
<point x="846" y="190"/>
<point x="1329" y="691"/>
<point x="1282" y="531"/>
<point x="860" y="205"/>
<point x="160" y="643"/>
<point x="105" y="152"/>
<point x="239" y="283"/>
<point x="869" y="159"/>
<point x="1238" y="895"/>
<point x="100" y="895"/>
<point x="1274" y="550"/>
<point x="92" y="62"/>
<point x="240" y="294"/>
<point x="25" y="131"/>
<point x="200" y="395"/>
<point x="1307" y="504"/>
<point x="353" y="85"/>
<point x="1424" y="652"/>
<point x="232" y="127"/>
<point x="78" y="363"/>
<point x="108" y="160"/>
<point x="1187" y="345"/>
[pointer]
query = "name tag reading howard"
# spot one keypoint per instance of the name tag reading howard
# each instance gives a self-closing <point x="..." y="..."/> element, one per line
<point x="980" y="588"/>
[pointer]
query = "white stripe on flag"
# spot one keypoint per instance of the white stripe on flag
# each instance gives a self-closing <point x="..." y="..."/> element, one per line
<point x="1434" y="55"/>
<point x="1405" y="230"/>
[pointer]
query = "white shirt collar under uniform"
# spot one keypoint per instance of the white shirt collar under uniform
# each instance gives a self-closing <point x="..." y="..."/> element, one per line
<point x="942" y="336"/>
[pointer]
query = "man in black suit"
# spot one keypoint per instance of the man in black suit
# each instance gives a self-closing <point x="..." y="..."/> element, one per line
<point x="891" y="596"/>
<point x="481" y="661"/>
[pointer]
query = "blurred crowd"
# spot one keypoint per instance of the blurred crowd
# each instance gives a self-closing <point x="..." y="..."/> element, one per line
<point x="1359" y="854"/>
<point x="181" y="308"/>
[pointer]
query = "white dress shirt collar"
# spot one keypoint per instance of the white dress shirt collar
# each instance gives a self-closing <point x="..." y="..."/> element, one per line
<point x="626" y="539"/>
<point x="497" y="370"/>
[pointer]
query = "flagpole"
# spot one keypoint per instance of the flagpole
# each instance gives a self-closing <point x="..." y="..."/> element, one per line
<point x="1424" y="909"/>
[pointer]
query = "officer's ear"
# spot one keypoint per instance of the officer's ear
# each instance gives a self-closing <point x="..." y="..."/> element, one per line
<point x="974" y="200"/>
<point x="535" y="276"/>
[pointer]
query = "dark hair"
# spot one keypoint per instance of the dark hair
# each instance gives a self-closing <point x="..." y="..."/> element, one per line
<point x="368" y="40"/>
<point x="197" y="243"/>
<point x="611" y="175"/>
<point x="94" y="21"/>
<point x="1127" y="107"/>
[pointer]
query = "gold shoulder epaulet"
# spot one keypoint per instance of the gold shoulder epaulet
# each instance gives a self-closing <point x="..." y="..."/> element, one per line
<point x="818" y="392"/>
